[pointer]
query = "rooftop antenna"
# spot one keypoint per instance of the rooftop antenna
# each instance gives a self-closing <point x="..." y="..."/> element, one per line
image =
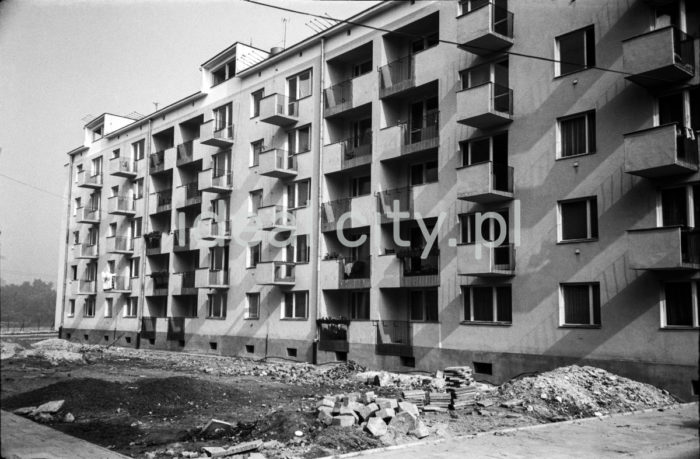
<point x="156" y="105"/>
<point x="284" y="41"/>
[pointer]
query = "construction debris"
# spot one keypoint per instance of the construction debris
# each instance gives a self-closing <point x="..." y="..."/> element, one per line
<point x="417" y="397"/>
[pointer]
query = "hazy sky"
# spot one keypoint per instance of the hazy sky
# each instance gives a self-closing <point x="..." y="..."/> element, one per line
<point x="63" y="60"/>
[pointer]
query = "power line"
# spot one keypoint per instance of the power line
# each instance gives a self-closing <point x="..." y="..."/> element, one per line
<point x="414" y="35"/>
<point x="33" y="186"/>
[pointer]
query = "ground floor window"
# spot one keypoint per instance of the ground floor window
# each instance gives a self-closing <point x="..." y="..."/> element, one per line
<point x="680" y="304"/>
<point x="132" y="307"/>
<point x="295" y="305"/>
<point x="424" y="305"/>
<point x="89" y="307"/>
<point x="487" y="304"/>
<point x="579" y="304"/>
<point x="252" y="306"/>
<point x="216" y="306"/>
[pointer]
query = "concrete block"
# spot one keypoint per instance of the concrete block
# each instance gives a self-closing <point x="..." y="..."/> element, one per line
<point x="385" y="413"/>
<point x="409" y="408"/>
<point x="387" y="403"/>
<point x="343" y="421"/>
<point x="325" y="417"/>
<point x="376" y="426"/>
<point x="421" y="431"/>
<point x="403" y="422"/>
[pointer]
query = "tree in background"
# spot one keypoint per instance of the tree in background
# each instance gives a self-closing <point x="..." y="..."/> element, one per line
<point x="29" y="303"/>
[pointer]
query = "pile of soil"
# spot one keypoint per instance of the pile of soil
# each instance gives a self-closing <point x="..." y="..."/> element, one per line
<point x="577" y="392"/>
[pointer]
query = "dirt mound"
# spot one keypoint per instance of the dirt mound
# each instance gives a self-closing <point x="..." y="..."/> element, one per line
<point x="9" y="349"/>
<point x="577" y="392"/>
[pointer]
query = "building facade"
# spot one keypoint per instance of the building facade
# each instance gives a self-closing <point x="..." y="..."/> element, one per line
<point x="516" y="186"/>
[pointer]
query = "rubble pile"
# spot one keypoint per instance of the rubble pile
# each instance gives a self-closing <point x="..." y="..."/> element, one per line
<point x="576" y="392"/>
<point x="46" y="412"/>
<point x="378" y="415"/>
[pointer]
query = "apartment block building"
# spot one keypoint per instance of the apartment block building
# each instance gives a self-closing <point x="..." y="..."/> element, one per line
<point x="511" y="185"/>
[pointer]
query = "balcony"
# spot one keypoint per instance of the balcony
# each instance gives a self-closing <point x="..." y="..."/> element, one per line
<point x="86" y="180"/>
<point x="216" y="136"/>
<point x="85" y="251"/>
<point x="403" y="139"/>
<point x="396" y="77"/>
<point x="661" y="57"/>
<point x="121" y="205"/>
<point x="161" y="201"/>
<point x="157" y="283"/>
<point x="280" y="273"/>
<point x="394" y="337"/>
<point x="183" y="283"/>
<point x="212" y="278"/>
<point x="212" y="229"/>
<point x="333" y="335"/>
<point x="485" y="30"/>
<point x="275" y="217"/>
<point x="156" y="162"/>
<point x="479" y="260"/>
<point x="188" y="195"/>
<point x="185" y="153"/>
<point x="664" y="249"/>
<point x="158" y="243"/>
<point x="88" y="215"/>
<point x="87" y="287"/>
<point x="407" y="268"/>
<point x="345" y="273"/>
<point x="426" y="200"/>
<point x="359" y="211"/>
<point x="348" y="94"/>
<point x="123" y="167"/>
<point x="279" y="110"/>
<point x="215" y="180"/>
<point x="661" y="151"/>
<point x="278" y="163"/>
<point x="117" y="284"/>
<point x="182" y="242"/>
<point x="485" y="106"/>
<point x="120" y="244"/>
<point x="485" y="183"/>
<point x="347" y="154"/>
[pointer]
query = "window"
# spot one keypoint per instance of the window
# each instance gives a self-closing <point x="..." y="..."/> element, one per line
<point x="578" y="219"/>
<point x="467" y="6"/>
<point x="256" y="148"/>
<point x="680" y="304"/>
<point x="575" y="51"/>
<point x="114" y="191"/>
<point x="136" y="226"/>
<point x="218" y="258"/>
<point x="97" y="132"/>
<point x="91" y="272"/>
<point x="97" y="166"/>
<point x="137" y="149"/>
<point x="359" y="305"/>
<point x="115" y="153"/>
<point x="112" y="230"/>
<point x="299" y="140"/>
<point x="78" y="202"/>
<point x="132" y="307"/>
<point x="579" y="304"/>
<point x="361" y="68"/>
<point x="301" y="249"/>
<point x="361" y="186"/>
<point x="109" y="305"/>
<point x="76" y="237"/>
<point x="488" y="72"/>
<point x="134" y="267"/>
<point x="298" y="194"/>
<point x="680" y="206"/>
<point x="295" y="305"/>
<point x="299" y="86"/>
<point x="424" y="173"/>
<point x="93" y="236"/>
<point x="255" y="198"/>
<point x="71" y="308"/>
<point x="576" y="134"/>
<point x="223" y="73"/>
<point x="252" y="306"/>
<point x="138" y="189"/>
<point x="255" y="99"/>
<point x="424" y="43"/>
<point x="89" y="307"/>
<point x="74" y="272"/>
<point x="424" y="305"/>
<point x="254" y="254"/>
<point x="222" y="117"/>
<point x="485" y="149"/>
<point x="487" y="304"/>
<point x="216" y="306"/>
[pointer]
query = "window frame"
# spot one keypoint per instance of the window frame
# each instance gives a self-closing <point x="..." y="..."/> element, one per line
<point x="294" y="307"/>
<point x="109" y="307"/>
<point x="256" y="148"/>
<point x="695" y="305"/>
<point x="89" y="307"/>
<point x="593" y="288"/>
<point x="354" y="307"/>
<point x="255" y="314"/>
<point x="591" y="134"/>
<point x="253" y="255"/>
<point x="212" y="306"/>
<point x="592" y="230"/>
<point x="588" y="35"/>
<point x="255" y="102"/>
<point x="295" y="187"/>
<point x="71" y="308"/>
<point x="424" y="305"/>
<point x="468" y="294"/>
<point x="138" y="149"/>
<point x="297" y="96"/>
<point x="131" y="309"/>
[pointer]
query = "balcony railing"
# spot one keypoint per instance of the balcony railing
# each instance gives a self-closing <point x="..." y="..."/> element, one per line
<point x="193" y="195"/>
<point x="485" y="182"/>
<point x="120" y="244"/>
<point x="354" y="273"/>
<point x="86" y="180"/>
<point x="277" y="163"/>
<point x="123" y="167"/>
<point x="284" y="271"/>
<point x="159" y="283"/>
<point x="185" y="283"/>
<point x="394" y="337"/>
<point x="333" y="336"/>
<point x="184" y="153"/>
<point x="87" y="287"/>
<point x="669" y="248"/>
<point x="393" y="201"/>
<point x="337" y="98"/>
<point x="279" y="110"/>
<point x="86" y="250"/>
<point x="223" y="132"/>
<point x="664" y="56"/>
<point x="181" y="239"/>
<point x="485" y="106"/>
<point x="164" y="200"/>
<point x="661" y="151"/>
<point x="121" y="205"/>
<point x="114" y="283"/>
<point x="216" y="180"/>
<point x="156" y="162"/>
<point x="484" y="30"/>
<point x="218" y="278"/>
<point x="153" y="243"/>
<point x="396" y="76"/>
<point x="690" y="247"/>
<point x="88" y="215"/>
<point x="425" y="129"/>
<point x="216" y="135"/>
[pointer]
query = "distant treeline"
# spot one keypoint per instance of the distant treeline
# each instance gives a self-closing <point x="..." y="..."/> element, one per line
<point x="31" y="303"/>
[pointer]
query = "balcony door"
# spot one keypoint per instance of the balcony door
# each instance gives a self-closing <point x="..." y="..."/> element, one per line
<point x="423" y="119"/>
<point x="218" y="258"/>
<point x="222" y="117"/>
<point x="221" y="164"/>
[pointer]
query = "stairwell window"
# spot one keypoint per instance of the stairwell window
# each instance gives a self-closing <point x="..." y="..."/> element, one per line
<point x="256" y="148"/>
<point x="252" y="310"/>
<point x="576" y="135"/>
<point x="134" y="267"/>
<point x="299" y="86"/>
<point x="298" y="194"/>
<point x="679" y="305"/>
<point x="109" y="306"/>
<point x="295" y="305"/>
<point x="579" y="304"/>
<point x="301" y="248"/>
<point x="578" y="220"/>
<point x="137" y="149"/>
<point x="488" y="304"/>
<point x="137" y="189"/>
<point x="574" y="51"/>
<point x="216" y="306"/>
<point x="423" y="305"/>
<point x="71" y="308"/>
<point x="254" y="255"/>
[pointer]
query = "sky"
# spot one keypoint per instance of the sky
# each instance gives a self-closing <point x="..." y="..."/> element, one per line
<point x="61" y="61"/>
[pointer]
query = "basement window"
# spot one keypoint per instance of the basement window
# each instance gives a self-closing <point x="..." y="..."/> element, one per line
<point x="483" y="368"/>
<point x="106" y="338"/>
<point x="213" y="345"/>
<point x="250" y="349"/>
<point x="86" y="337"/>
<point x="695" y="387"/>
<point x="128" y="340"/>
<point x="68" y="336"/>
<point x="151" y="341"/>
<point x="291" y="352"/>
<point x="341" y="356"/>
<point x="408" y="362"/>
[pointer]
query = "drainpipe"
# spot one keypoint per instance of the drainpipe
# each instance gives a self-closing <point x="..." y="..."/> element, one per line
<point x="144" y="230"/>
<point x="318" y="176"/>
<point x="66" y="241"/>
